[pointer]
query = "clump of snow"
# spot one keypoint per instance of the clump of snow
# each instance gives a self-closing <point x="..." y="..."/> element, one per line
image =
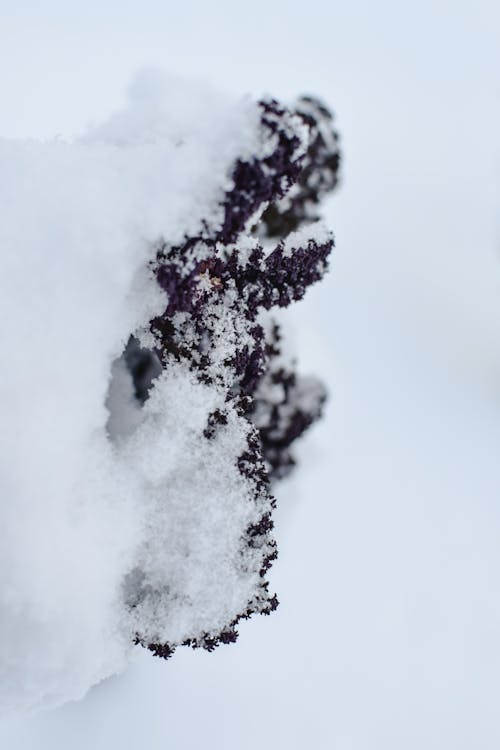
<point x="195" y="549"/>
<point x="78" y="227"/>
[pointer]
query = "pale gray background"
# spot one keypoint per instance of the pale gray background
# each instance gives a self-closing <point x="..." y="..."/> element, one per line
<point x="388" y="635"/>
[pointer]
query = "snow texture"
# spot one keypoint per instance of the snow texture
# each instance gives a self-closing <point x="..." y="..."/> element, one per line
<point x="77" y="225"/>
<point x="121" y="519"/>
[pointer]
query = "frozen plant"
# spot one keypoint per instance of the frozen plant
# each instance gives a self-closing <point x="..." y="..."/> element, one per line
<point x="221" y="282"/>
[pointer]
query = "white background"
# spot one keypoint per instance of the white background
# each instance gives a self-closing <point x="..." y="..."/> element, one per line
<point x="388" y="633"/>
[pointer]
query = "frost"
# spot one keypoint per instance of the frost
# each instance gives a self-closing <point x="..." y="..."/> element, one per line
<point x="135" y="457"/>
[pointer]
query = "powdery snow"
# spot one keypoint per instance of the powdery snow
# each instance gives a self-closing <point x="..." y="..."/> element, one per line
<point x="78" y="225"/>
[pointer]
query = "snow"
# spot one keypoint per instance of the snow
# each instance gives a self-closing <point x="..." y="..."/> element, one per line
<point x="78" y="228"/>
<point x="300" y="237"/>
<point x="198" y="506"/>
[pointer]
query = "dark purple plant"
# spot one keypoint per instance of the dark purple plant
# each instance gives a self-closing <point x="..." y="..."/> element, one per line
<point x="219" y="285"/>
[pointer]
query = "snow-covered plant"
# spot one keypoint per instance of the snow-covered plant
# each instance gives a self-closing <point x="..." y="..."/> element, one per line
<point x="220" y="282"/>
<point x="149" y="406"/>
